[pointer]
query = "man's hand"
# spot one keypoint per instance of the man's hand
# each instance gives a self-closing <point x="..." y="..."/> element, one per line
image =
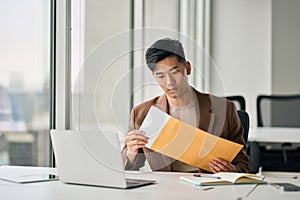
<point x="221" y="165"/>
<point x="135" y="139"/>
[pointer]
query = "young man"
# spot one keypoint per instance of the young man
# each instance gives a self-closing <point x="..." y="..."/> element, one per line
<point x="166" y="59"/>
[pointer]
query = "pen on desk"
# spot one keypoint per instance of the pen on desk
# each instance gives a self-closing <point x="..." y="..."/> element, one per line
<point x="206" y="176"/>
<point x="204" y="188"/>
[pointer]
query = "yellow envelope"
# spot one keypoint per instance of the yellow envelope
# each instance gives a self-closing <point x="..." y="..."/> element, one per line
<point x="193" y="146"/>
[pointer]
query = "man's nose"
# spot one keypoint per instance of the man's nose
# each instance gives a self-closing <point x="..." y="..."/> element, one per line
<point x="170" y="80"/>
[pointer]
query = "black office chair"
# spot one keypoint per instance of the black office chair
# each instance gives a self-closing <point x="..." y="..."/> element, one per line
<point x="240" y="104"/>
<point x="276" y="111"/>
<point x="239" y="101"/>
<point x="244" y="117"/>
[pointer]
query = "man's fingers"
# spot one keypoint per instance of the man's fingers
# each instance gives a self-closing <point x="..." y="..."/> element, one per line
<point x="137" y="146"/>
<point x="222" y="166"/>
<point x="227" y="166"/>
<point x="136" y="132"/>
<point x="134" y="145"/>
<point x="136" y="135"/>
<point x="214" y="168"/>
<point x="222" y="161"/>
<point x="135" y="139"/>
<point x="137" y="142"/>
<point x="219" y="165"/>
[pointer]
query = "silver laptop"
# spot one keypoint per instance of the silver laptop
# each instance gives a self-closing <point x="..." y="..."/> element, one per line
<point x="91" y="158"/>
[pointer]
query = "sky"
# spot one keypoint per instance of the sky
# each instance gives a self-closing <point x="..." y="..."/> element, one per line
<point x="24" y="39"/>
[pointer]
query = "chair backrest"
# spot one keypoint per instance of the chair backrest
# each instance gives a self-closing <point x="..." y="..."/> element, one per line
<point x="278" y="110"/>
<point x="239" y="101"/>
<point x="244" y="117"/>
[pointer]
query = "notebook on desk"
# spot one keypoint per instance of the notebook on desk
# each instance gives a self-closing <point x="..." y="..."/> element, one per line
<point x="223" y="178"/>
<point x="91" y="158"/>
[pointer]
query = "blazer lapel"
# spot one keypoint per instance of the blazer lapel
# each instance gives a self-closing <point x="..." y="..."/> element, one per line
<point x="162" y="103"/>
<point x="206" y="121"/>
<point x="207" y="118"/>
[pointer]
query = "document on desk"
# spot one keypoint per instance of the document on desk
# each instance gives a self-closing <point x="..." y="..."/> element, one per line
<point x="181" y="141"/>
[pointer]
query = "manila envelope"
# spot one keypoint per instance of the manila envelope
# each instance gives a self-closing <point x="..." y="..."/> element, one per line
<point x="193" y="146"/>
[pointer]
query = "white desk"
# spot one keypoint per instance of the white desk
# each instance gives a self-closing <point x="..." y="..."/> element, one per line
<point x="270" y="192"/>
<point x="272" y="138"/>
<point x="168" y="188"/>
<point x="274" y="134"/>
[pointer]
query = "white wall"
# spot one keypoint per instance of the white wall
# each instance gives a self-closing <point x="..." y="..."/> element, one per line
<point x="286" y="46"/>
<point x="255" y="43"/>
<point x="241" y="49"/>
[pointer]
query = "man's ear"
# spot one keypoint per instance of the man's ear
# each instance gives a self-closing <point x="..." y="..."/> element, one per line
<point x="188" y="68"/>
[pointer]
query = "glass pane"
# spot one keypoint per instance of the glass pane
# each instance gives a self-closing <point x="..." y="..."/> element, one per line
<point x="24" y="82"/>
<point x="101" y="77"/>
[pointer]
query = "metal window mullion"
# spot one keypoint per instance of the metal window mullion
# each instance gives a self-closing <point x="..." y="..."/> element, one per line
<point x="137" y="53"/>
<point x="68" y="63"/>
<point x="52" y="97"/>
<point x="199" y="46"/>
<point x="207" y="44"/>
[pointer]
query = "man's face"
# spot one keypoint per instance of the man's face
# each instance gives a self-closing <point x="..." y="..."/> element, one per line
<point x="171" y="75"/>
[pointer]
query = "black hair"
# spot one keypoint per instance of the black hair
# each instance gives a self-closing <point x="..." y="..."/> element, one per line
<point x="162" y="49"/>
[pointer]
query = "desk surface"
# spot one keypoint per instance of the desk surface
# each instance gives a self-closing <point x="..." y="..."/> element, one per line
<point x="168" y="187"/>
<point x="274" y="134"/>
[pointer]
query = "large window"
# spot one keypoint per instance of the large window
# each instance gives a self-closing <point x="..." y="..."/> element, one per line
<point x="109" y="39"/>
<point x="24" y="82"/>
<point x="100" y="48"/>
<point x="100" y="65"/>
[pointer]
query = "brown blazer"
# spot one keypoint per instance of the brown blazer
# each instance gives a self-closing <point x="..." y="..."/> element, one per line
<point x="217" y="116"/>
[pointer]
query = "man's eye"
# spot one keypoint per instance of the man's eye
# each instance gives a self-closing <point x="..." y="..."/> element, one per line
<point x="160" y="76"/>
<point x="174" y="72"/>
